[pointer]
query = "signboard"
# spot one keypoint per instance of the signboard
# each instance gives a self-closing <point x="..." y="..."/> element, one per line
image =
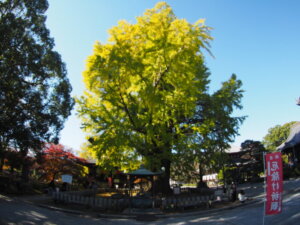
<point x="176" y="190"/>
<point x="66" y="178"/>
<point x="274" y="187"/>
<point x="116" y="181"/>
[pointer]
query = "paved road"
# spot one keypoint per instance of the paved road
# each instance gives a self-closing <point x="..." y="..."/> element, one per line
<point x="18" y="212"/>
<point x="14" y="211"/>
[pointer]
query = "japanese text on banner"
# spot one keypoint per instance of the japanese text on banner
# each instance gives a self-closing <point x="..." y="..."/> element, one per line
<point x="274" y="183"/>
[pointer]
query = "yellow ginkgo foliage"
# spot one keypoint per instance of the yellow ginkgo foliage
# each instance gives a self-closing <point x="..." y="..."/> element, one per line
<point x="141" y="86"/>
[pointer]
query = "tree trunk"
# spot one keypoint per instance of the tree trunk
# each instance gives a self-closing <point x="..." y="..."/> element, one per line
<point x="25" y="166"/>
<point x="201" y="184"/>
<point x="166" y="189"/>
<point x="200" y="173"/>
<point x="11" y="169"/>
<point x="2" y="156"/>
<point x="1" y="163"/>
<point x="53" y="177"/>
<point x="224" y="175"/>
<point x="25" y="172"/>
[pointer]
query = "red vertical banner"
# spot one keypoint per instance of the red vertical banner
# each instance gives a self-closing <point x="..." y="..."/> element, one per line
<point x="274" y="179"/>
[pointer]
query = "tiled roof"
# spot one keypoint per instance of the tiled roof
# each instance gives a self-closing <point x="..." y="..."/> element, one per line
<point x="293" y="138"/>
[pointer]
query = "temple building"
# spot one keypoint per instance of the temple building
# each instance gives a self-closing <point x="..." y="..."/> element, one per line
<point x="291" y="146"/>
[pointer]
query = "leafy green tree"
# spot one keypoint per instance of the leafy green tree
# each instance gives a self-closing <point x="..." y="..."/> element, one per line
<point x="34" y="88"/>
<point x="248" y="166"/>
<point x="253" y="156"/>
<point x="277" y="135"/>
<point x="143" y="89"/>
<point x="12" y="159"/>
<point x="253" y="150"/>
<point x="223" y="126"/>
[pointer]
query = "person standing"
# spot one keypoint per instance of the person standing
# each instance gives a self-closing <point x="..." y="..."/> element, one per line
<point x="233" y="192"/>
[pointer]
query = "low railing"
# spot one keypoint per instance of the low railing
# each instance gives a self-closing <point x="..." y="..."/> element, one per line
<point x="102" y="203"/>
<point x="125" y="191"/>
<point x="182" y="202"/>
<point x="89" y="199"/>
<point x="198" y="191"/>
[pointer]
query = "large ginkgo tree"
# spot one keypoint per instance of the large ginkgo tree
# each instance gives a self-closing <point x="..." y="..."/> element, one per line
<point x="143" y="91"/>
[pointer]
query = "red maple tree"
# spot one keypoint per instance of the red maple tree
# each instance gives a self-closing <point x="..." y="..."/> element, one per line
<point x="56" y="160"/>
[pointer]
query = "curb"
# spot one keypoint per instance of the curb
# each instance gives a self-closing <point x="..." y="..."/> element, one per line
<point x="58" y="209"/>
<point x="183" y="214"/>
<point x="153" y="216"/>
<point x="205" y="212"/>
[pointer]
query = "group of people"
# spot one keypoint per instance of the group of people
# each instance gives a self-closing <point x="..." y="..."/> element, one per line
<point x="233" y="194"/>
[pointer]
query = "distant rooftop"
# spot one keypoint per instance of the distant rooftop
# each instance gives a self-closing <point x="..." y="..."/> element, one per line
<point x="293" y="138"/>
<point x="233" y="149"/>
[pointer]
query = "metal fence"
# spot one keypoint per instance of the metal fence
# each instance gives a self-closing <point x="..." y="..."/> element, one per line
<point x="182" y="202"/>
<point x="89" y="199"/>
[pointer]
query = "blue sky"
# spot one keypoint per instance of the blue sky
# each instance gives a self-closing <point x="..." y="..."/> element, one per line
<point x="257" y="40"/>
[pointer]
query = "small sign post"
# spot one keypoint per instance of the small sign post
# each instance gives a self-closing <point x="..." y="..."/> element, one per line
<point x="66" y="178"/>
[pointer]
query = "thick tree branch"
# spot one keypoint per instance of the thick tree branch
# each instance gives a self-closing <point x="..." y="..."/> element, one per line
<point x="160" y="77"/>
<point x="136" y="128"/>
